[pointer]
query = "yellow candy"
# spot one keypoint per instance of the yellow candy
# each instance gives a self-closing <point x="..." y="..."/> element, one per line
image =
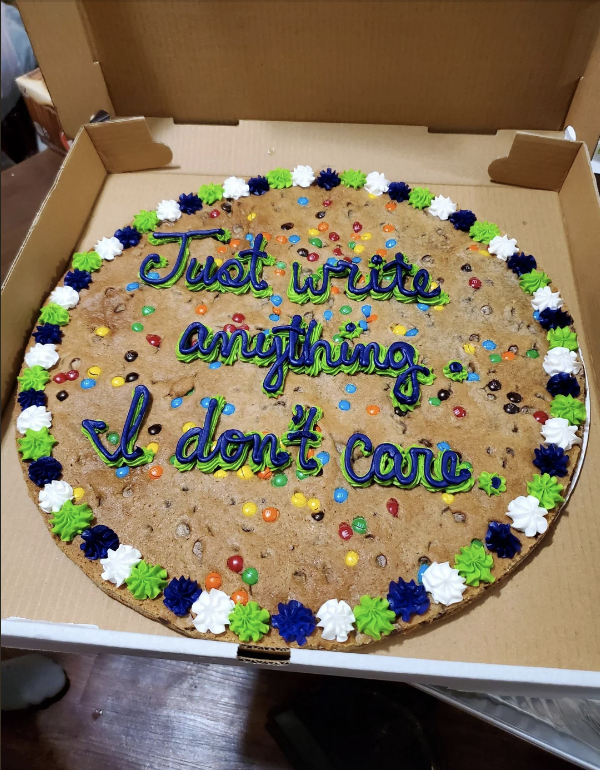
<point x="433" y="285"/>
<point x="220" y="474"/>
<point x="153" y="447"/>
<point x="438" y="307"/>
<point x="366" y="236"/>
<point x="447" y="498"/>
<point x="218" y="261"/>
<point x="468" y="348"/>
<point x="78" y="493"/>
<point x="102" y="331"/>
<point x="399" y="329"/>
<point x="94" y="371"/>
<point x="372" y="196"/>
<point x="313" y="231"/>
<point x="314" y="504"/>
<point x="117" y="382"/>
<point x="485" y="253"/>
<point x="251" y="216"/>
<point x="188" y="426"/>
<point x="298" y="499"/>
<point x="249" y="509"/>
<point x="359" y="249"/>
<point x="245" y="472"/>
<point x="351" y="559"/>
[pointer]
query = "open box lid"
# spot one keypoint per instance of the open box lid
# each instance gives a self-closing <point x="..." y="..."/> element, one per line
<point x="455" y="67"/>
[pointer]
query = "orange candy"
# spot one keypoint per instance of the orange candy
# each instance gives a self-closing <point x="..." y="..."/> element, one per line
<point x="270" y="514"/>
<point x="266" y="474"/>
<point x="335" y="290"/>
<point x="155" y="472"/>
<point x="508" y="356"/>
<point x="279" y="271"/>
<point x="234" y="243"/>
<point x="266" y="236"/>
<point x="311" y="453"/>
<point x="275" y="311"/>
<point x="281" y="239"/>
<point x="371" y="318"/>
<point x="323" y="227"/>
<point x="391" y="206"/>
<point x="213" y="580"/>
<point x="222" y="250"/>
<point x="473" y="248"/>
<point x="373" y="409"/>
<point x="201" y="309"/>
<point x="381" y="252"/>
<point x="240" y="597"/>
<point x="318" y="429"/>
<point x="388" y="228"/>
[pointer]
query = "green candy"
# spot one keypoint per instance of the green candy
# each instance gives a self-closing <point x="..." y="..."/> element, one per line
<point x="34" y="378"/>
<point x="374" y="616"/>
<point x="249" y="621"/>
<point x="137" y="327"/>
<point x="146" y="580"/>
<point x="568" y="408"/>
<point x="345" y="310"/>
<point x="250" y="576"/>
<point x="547" y="490"/>
<point x="352" y="178"/>
<point x="485" y="483"/>
<point x="420" y="198"/>
<point x="351" y="244"/>
<point x="533" y="281"/>
<point x="434" y="401"/>
<point x="71" y="520"/>
<point x="474" y="564"/>
<point x="145" y="221"/>
<point x="113" y="438"/>
<point x="36" y="444"/>
<point x="279" y="480"/>
<point x="148" y="310"/>
<point x="87" y="260"/>
<point x="337" y="338"/>
<point x="495" y="358"/>
<point x="210" y="193"/>
<point x="301" y="475"/>
<point x="316" y="242"/>
<point x="54" y="314"/>
<point x="532" y="353"/>
<point x="484" y="231"/>
<point x="281" y="265"/>
<point x="563" y="338"/>
<point x="359" y="525"/>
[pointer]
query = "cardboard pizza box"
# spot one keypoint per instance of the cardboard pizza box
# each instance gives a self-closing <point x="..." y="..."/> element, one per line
<point x="431" y="93"/>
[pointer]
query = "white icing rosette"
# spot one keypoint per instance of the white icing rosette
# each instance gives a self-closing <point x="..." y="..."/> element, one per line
<point x="34" y="418"/>
<point x="336" y="619"/>
<point x="444" y="583"/>
<point x="557" y="430"/>
<point x="503" y="247"/>
<point x="54" y="495"/>
<point x="560" y="360"/>
<point x="235" y="188"/>
<point x="42" y="355"/>
<point x="109" y="248"/>
<point x="546" y="299"/>
<point x="65" y="296"/>
<point x="212" y="609"/>
<point x="376" y="183"/>
<point x="303" y="176"/>
<point x="442" y="207"/>
<point x="168" y="211"/>
<point x="528" y="515"/>
<point x="118" y="564"/>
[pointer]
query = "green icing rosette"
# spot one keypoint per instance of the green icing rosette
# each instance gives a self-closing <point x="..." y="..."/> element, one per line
<point x="492" y="483"/>
<point x="354" y="179"/>
<point x="374" y="617"/>
<point x="146" y="581"/>
<point x="146" y="221"/>
<point x="474" y="564"/>
<point x="87" y="260"/>
<point x="420" y="198"/>
<point x="533" y="281"/>
<point x="568" y="408"/>
<point x="547" y="490"/>
<point x="54" y="314"/>
<point x="71" y="520"/>
<point x="483" y="231"/>
<point x="210" y="193"/>
<point x="459" y="376"/>
<point x="563" y="338"/>
<point x="225" y="237"/>
<point x="279" y="178"/>
<point x="249" y="621"/>
<point x="34" y="378"/>
<point x="36" y="444"/>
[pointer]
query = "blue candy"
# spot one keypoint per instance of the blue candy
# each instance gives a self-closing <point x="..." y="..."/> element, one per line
<point x="303" y="201"/>
<point x="205" y="402"/>
<point x="422" y="569"/>
<point x="344" y="405"/>
<point x="217" y="364"/>
<point x="340" y="495"/>
<point x="323" y="457"/>
<point x="122" y="472"/>
<point x="294" y="238"/>
<point x="249" y="237"/>
<point x="363" y="325"/>
<point x="88" y="383"/>
<point x="153" y="274"/>
<point x="273" y="317"/>
<point x="390" y="244"/>
<point x="473" y="377"/>
<point x="536" y="315"/>
<point x="332" y="261"/>
<point x="422" y="307"/>
<point x="366" y="310"/>
<point x="176" y="402"/>
<point x="356" y="260"/>
<point x="489" y="345"/>
<point x="443" y="445"/>
<point x="228" y="409"/>
<point x="328" y="315"/>
<point x="350" y="388"/>
<point x="412" y="333"/>
<point x="276" y="299"/>
<point x="132" y="286"/>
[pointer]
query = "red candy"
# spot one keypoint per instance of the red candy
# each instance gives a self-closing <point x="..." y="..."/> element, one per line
<point x="541" y="417"/>
<point x="214" y="214"/>
<point x="334" y="236"/>
<point x="475" y="283"/>
<point x="312" y="257"/>
<point x="392" y="506"/>
<point x="337" y="251"/>
<point x="347" y="259"/>
<point x="60" y="378"/>
<point x="238" y="318"/>
<point x="244" y="326"/>
<point x="229" y="328"/>
<point x="327" y="203"/>
<point x="153" y="339"/>
<point x="357" y="227"/>
<point x="72" y="375"/>
<point x="345" y="531"/>
<point x="459" y="411"/>
<point x="235" y="563"/>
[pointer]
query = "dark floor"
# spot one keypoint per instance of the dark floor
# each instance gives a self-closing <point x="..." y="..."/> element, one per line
<point x="130" y="713"/>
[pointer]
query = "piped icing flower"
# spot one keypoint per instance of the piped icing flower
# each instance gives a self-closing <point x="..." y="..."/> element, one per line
<point x="97" y="540"/>
<point x="349" y="331"/>
<point x="34" y="418"/>
<point x="258" y="185"/>
<point x="492" y="483"/>
<point x="562" y="338"/>
<point x="34" y="378"/>
<point x="455" y="371"/>
<point x="568" y="408"/>
<point x="545" y="298"/>
<point x="71" y="520"/>
<point x="180" y="594"/>
<point x="442" y="207"/>
<point x="483" y="231"/>
<point x="563" y="384"/>
<point x="249" y="621"/>
<point x="65" y="296"/>
<point x="87" y="260"/>
<point x="463" y="220"/>
<point x="376" y="183"/>
<point x="41" y="355"/>
<point x="501" y="540"/>
<point x="212" y="610"/>
<point x="557" y="431"/>
<point x="118" y="564"/>
<point x="48" y="334"/>
<point x="45" y="470"/>
<point x="189" y="203"/>
<point x="398" y="191"/>
<point x="528" y="515"/>
<point x="559" y="360"/>
<point x="352" y="178"/>
<point x="407" y="599"/>
<point x="531" y="282"/>
<point x="444" y="584"/>
<point x="546" y="489"/>
<point x="336" y="619"/>
<point x="328" y="179"/>
<point x="551" y="319"/>
<point x="210" y="193"/>
<point x="521" y="263"/>
<point x="31" y="397"/>
<point x="109" y="248"/>
<point x="375" y="261"/>
<point x="279" y="178"/>
<point x="420" y="198"/>
<point x="303" y="176"/>
<point x="503" y="247"/>
<point x="128" y="236"/>
<point x="551" y="459"/>
<point x="145" y="221"/>
<point x="146" y="581"/>
<point x="168" y="211"/>
<point x="78" y="279"/>
<point x="235" y="188"/>
<point x="54" y="495"/>
<point x="37" y="443"/>
<point x="374" y="616"/>
<point x="54" y="314"/>
<point x="474" y="564"/>
<point x="294" y="622"/>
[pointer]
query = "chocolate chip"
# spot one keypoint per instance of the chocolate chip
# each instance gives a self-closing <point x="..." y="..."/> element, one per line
<point x="486" y="310"/>
<point x="424" y="560"/>
<point x="516" y="398"/>
<point x="132" y="377"/>
<point x="511" y="408"/>
<point x="490" y="396"/>
<point x="443" y="395"/>
<point x="513" y="349"/>
<point x="303" y="252"/>
<point x="320" y="214"/>
<point x="318" y="516"/>
<point x="474" y="338"/>
<point x="130" y="356"/>
<point x="226" y="207"/>
<point x="154" y="430"/>
<point x="459" y="517"/>
<point x="287" y="225"/>
<point x="494" y="385"/>
<point x="62" y="395"/>
<point x="427" y="259"/>
<point x="425" y="442"/>
<point x="466" y="268"/>
<point x="381" y="560"/>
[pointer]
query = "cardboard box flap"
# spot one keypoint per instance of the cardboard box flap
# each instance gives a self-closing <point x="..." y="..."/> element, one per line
<point x="461" y="67"/>
<point x="127" y="145"/>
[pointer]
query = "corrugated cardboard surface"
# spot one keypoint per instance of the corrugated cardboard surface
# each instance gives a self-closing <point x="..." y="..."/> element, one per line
<point x="546" y="614"/>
